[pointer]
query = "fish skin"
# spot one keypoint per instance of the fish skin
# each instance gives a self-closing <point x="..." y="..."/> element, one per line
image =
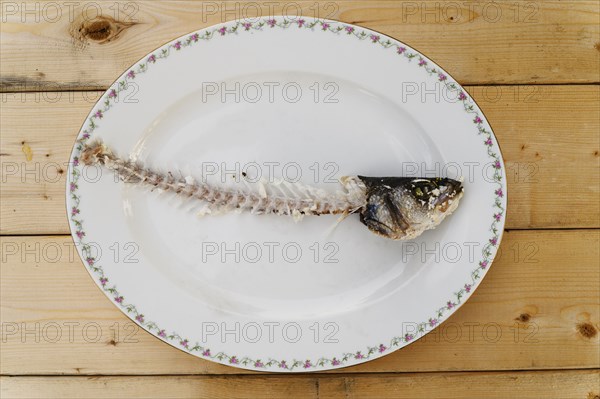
<point x="404" y="207"/>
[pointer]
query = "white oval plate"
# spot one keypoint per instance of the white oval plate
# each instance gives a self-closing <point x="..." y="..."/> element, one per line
<point x="302" y="99"/>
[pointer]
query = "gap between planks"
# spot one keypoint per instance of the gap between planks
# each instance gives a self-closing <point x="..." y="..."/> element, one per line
<point x="465" y="85"/>
<point x="528" y="42"/>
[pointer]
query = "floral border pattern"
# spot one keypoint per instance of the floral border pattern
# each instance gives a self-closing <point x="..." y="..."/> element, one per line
<point x="174" y="338"/>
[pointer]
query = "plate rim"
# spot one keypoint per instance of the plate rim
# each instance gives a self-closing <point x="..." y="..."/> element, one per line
<point x="262" y="24"/>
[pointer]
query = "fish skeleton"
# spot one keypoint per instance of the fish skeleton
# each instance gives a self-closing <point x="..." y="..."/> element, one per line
<point x="393" y="207"/>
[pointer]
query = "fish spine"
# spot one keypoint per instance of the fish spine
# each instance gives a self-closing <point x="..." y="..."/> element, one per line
<point x="281" y="198"/>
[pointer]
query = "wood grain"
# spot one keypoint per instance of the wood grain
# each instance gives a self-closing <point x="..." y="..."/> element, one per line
<point x="538" y="308"/>
<point x="582" y="384"/>
<point x="502" y="42"/>
<point x="541" y="294"/>
<point x="548" y="135"/>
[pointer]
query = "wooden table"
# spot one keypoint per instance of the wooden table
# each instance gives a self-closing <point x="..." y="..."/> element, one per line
<point x="533" y="67"/>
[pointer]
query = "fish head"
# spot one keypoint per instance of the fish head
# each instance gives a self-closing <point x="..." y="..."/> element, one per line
<point x="402" y="208"/>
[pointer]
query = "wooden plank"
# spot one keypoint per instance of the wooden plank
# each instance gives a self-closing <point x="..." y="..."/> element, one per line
<point x="33" y="187"/>
<point x="85" y="45"/>
<point x="548" y="134"/>
<point x="580" y="384"/>
<point x="538" y="308"/>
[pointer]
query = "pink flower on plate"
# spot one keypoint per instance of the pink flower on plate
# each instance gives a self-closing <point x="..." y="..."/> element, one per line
<point x="494" y="241"/>
<point x="359" y="355"/>
<point x="326" y="26"/>
<point x="152" y="58"/>
<point x="432" y="322"/>
<point x="184" y="343"/>
<point x="497" y="216"/>
<point x="382" y="348"/>
<point x="234" y="360"/>
<point x="478" y="120"/>
<point x="422" y="62"/>
<point x="98" y="114"/>
<point x="301" y="23"/>
<point x="349" y="29"/>
<point x="499" y="192"/>
<point x="75" y="161"/>
<point x="462" y="96"/>
<point x="497" y="165"/>
<point x="131" y="74"/>
<point x="162" y="334"/>
<point x="408" y="337"/>
<point x="89" y="260"/>
<point x="206" y="353"/>
<point x="483" y="264"/>
<point x="488" y="141"/>
<point x="177" y="45"/>
<point x="86" y="136"/>
<point x="103" y="281"/>
<point x="80" y="234"/>
<point x="195" y="37"/>
<point x="374" y="38"/>
<point x="112" y="93"/>
<point x="335" y="362"/>
<point x="259" y="364"/>
<point x="401" y="50"/>
<point x="74" y="211"/>
<point x="247" y="25"/>
<point x="442" y="77"/>
<point x="283" y="365"/>
<point x="271" y="23"/>
<point x="449" y="305"/>
<point x="468" y="287"/>
<point x="140" y="318"/>
<point x="222" y="31"/>
<point x="307" y="364"/>
<point x="119" y="299"/>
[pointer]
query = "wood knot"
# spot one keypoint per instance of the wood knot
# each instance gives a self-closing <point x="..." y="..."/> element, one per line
<point x="27" y="151"/>
<point x="587" y="330"/>
<point x="592" y="395"/>
<point x="112" y="342"/>
<point x="523" y="317"/>
<point x="97" y="30"/>
<point x="101" y="29"/>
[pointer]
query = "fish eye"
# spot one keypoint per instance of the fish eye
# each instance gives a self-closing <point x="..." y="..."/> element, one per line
<point x="372" y="208"/>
